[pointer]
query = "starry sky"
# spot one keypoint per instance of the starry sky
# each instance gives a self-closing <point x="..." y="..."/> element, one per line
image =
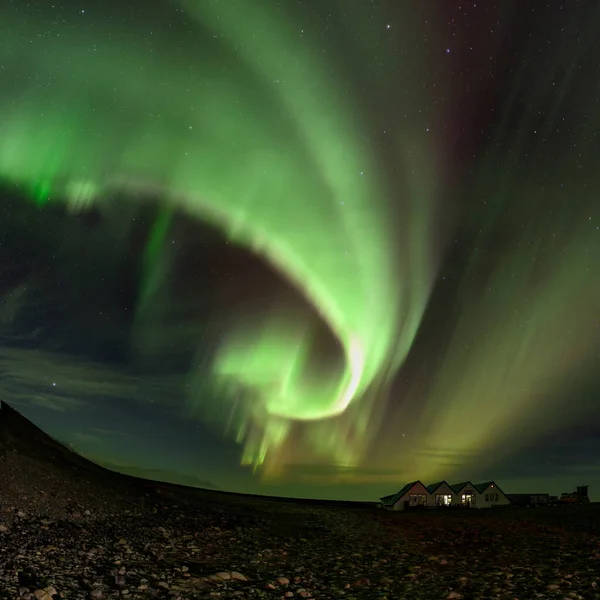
<point x="305" y="248"/>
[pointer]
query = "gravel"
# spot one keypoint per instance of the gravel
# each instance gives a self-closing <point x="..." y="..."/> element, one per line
<point x="181" y="549"/>
<point x="69" y="532"/>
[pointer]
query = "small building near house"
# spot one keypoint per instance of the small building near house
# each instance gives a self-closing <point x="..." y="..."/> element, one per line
<point x="529" y="499"/>
<point x="441" y="494"/>
<point x="412" y="495"/>
<point x="489" y="495"/>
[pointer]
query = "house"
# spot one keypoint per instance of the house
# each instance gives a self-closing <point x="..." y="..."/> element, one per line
<point x="465" y="494"/>
<point x="441" y="493"/>
<point x="489" y="494"/>
<point x="412" y="495"/>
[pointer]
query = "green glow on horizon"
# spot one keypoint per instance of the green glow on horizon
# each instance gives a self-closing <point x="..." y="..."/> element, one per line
<point x="273" y="153"/>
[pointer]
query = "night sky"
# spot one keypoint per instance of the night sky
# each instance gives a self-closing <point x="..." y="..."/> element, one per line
<point x="305" y="248"/>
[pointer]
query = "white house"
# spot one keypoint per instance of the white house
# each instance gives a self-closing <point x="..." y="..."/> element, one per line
<point x="489" y="494"/>
<point x="412" y="495"/>
<point x="441" y="494"/>
<point x="465" y="494"/>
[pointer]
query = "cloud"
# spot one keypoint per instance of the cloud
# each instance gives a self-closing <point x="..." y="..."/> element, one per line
<point x="99" y="431"/>
<point x="62" y="382"/>
<point x="86" y="438"/>
<point x="11" y="304"/>
<point x="25" y="398"/>
<point x="339" y="474"/>
<point x="94" y="436"/>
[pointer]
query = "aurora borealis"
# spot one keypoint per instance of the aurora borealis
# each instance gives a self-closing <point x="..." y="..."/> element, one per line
<point x="349" y="246"/>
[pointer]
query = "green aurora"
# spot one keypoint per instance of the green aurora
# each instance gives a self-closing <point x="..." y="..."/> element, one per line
<point x="263" y="137"/>
<point x="272" y="152"/>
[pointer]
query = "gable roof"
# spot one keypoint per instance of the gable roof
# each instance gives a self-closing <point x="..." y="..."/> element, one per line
<point x="481" y="487"/>
<point x="457" y="487"/>
<point x="393" y="498"/>
<point x="434" y="486"/>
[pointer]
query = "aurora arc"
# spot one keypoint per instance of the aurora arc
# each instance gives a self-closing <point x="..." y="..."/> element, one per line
<point x="261" y="142"/>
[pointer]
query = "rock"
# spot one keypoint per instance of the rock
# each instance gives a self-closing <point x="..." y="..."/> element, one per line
<point x="345" y="553"/>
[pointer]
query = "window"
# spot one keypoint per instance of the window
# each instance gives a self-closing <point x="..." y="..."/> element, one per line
<point x="417" y="500"/>
<point x="492" y="497"/>
<point x="443" y="499"/>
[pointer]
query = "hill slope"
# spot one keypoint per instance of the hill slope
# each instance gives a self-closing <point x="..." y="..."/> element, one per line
<point x="39" y="474"/>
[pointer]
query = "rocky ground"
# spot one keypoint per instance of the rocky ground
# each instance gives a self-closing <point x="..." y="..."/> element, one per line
<point x="69" y="530"/>
<point x="178" y="548"/>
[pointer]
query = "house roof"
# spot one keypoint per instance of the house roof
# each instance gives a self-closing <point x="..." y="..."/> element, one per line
<point x="431" y="488"/>
<point x="457" y="487"/>
<point x="481" y="487"/>
<point x="392" y="499"/>
<point x="434" y="486"/>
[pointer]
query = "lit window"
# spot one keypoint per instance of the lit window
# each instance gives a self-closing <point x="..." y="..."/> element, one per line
<point x="417" y="500"/>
